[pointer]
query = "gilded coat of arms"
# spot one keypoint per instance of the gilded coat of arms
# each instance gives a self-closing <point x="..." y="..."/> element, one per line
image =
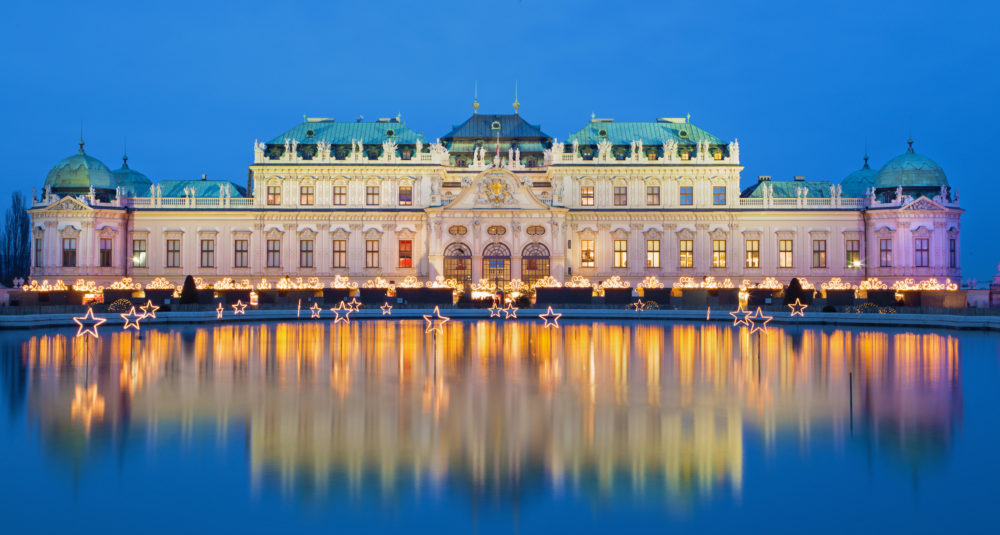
<point x="495" y="190"/>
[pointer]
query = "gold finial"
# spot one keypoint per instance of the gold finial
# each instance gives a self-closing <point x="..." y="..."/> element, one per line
<point x="516" y="103"/>
<point x="475" y="99"/>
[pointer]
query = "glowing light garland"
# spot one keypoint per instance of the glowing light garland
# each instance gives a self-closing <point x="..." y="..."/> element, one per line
<point x="872" y="284"/>
<point x="837" y="284"/>
<point x="160" y="283"/>
<point x="579" y="281"/>
<point x="87" y="287"/>
<point x="709" y="283"/>
<point x="125" y="283"/>
<point x="312" y="283"/>
<point x="769" y="283"/>
<point x="650" y="282"/>
<point x="615" y="282"/>
<point x="229" y="284"/>
<point x="92" y="324"/>
<point x="377" y="282"/>
<point x="34" y="286"/>
<point x="341" y="282"/>
<point x="906" y="285"/>
<point x="263" y="284"/>
<point x="410" y="282"/>
<point x="550" y="318"/>
<point x="547" y="281"/>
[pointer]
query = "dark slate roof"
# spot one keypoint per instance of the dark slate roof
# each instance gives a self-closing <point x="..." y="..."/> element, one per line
<point x="343" y="133"/>
<point x="818" y="189"/>
<point x="203" y="188"/>
<point x="481" y="127"/>
<point x="649" y="132"/>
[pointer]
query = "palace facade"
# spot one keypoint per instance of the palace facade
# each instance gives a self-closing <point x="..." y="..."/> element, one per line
<point x="496" y="198"/>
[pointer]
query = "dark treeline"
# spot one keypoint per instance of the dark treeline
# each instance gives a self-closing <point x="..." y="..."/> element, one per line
<point x="15" y="241"/>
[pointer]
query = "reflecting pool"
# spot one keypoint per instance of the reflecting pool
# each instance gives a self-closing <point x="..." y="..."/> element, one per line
<point x="497" y="427"/>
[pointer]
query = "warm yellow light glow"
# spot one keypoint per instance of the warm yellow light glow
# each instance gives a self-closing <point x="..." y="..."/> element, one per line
<point x="650" y="282"/>
<point x="125" y="283"/>
<point x="160" y="283"/>
<point x="798" y="308"/>
<point x="44" y="286"/>
<point x="87" y="405"/>
<point x="91" y="322"/>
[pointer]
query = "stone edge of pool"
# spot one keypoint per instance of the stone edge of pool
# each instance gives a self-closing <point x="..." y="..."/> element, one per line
<point x="932" y="321"/>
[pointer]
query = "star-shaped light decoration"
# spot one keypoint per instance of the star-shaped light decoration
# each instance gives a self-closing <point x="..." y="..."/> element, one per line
<point x="798" y="308"/>
<point x="149" y="309"/>
<point x="638" y="306"/>
<point x="314" y="311"/>
<point x="354" y="304"/>
<point x="740" y="316"/>
<point x="551" y="318"/>
<point x="240" y="307"/>
<point x="495" y="310"/>
<point x="218" y="311"/>
<point x="342" y="313"/>
<point x="91" y="323"/>
<point x="435" y="322"/>
<point x="510" y="311"/>
<point x="132" y="319"/>
<point x="758" y="321"/>
<point x="386" y="309"/>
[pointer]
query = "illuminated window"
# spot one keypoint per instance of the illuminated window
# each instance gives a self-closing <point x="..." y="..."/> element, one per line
<point x="405" y="195"/>
<point x="885" y="253"/>
<point x="587" y="253"/>
<point x="784" y="253"/>
<point x="653" y="253"/>
<point x="621" y="195"/>
<point x="241" y="253"/>
<point x="819" y="253"/>
<point x="273" y="195"/>
<point x="719" y="253"/>
<point x="687" y="195"/>
<point x="405" y="253"/>
<point x="208" y="253"/>
<point x="69" y="252"/>
<point x="653" y="195"/>
<point x="922" y="252"/>
<point x="621" y="253"/>
<point x="138" y="253"/>
<point x="753" y="253"/>
<point x="104" y="253"/>
<point x="371" y="253"/>
<point x="371" y="195"/>
<point x="273" y="253"/>
<point x="306" y="253"/>
<point x="853" y="254"/>
<point x="306" y="195"/>
<point x="719" y="195"/>
<point x="339" y="195"/>
<point x="686" y="256"/>
<point x="339" y="253"/>
<point x="173" y="253"/>
<point x="587" y="196"/>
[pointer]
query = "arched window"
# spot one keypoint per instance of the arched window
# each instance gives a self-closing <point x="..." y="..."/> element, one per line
<point x="534" y="262"/>
<point x="496" y="263"/>
<point x="457" y="262"/>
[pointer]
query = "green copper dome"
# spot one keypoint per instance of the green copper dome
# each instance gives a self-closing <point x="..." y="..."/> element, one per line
<point x="911" y="170"/>
<point x="857" y="183"/>
<point x="78" y="173"/>
<point x="133" y="182"/>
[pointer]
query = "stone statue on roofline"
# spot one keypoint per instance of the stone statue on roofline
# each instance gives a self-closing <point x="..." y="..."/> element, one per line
<point x="420" y="146"/>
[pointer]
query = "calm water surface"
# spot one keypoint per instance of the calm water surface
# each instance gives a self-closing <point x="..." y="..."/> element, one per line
<point x="498" y="427"/>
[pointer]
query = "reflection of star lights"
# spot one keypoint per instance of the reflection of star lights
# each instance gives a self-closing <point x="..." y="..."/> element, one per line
<point x="758" y="321"/>
<point x="386" y="309"/>
<point x="218" y="311"/>
<point x="798" y="308"/>
<point x="436" y="321"/>
<point x="510" y="311"/>
<point x="315" y="310"/>
<point x="91" y="324"/>
<point x="131" y="319"/>
<point x="740" y="316"/>
<point x="354" y="304"/>
<point x="87" y="405"/>
<point x="149" y="309"/>
<point x="342" y="313"/>
<point x="240" y="307"/>
<point x="551" y="318"/>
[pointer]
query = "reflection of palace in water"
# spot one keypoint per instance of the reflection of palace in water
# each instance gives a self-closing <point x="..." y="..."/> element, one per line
<point x="499" y="406"/>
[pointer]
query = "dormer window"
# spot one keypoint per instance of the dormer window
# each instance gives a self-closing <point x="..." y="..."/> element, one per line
<point x="683" y="133"/>
<point x="495" y="125"/>
<point x="602" y="132"/>
<point x="390" y="132"/>
<point x="310" y="133"/>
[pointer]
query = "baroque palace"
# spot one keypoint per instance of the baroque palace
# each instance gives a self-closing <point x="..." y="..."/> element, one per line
<point x="498" y="199"/>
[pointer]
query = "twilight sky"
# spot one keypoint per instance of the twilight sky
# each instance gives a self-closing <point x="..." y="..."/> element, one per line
<point x="802" y="85"/>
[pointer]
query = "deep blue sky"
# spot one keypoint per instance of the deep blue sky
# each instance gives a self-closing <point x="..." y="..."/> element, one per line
<point x="800" y="84"/>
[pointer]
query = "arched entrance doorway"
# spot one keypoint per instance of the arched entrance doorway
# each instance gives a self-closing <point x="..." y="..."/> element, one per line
<point x="534" y="262"/>
<point x="458" y="263"/>
<point x="496" y="264"/>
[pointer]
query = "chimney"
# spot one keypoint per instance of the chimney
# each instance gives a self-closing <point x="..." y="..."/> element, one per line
<point x="799" y="178"/>
<point x="763" y="178"/>
<point x="203" y="177"/>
